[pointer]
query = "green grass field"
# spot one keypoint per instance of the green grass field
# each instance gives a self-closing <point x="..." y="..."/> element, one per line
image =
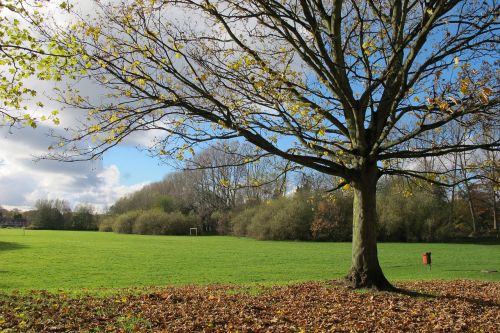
<point x="74" y="260"/>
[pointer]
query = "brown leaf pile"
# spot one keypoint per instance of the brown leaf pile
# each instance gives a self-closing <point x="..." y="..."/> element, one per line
<point x="432" y="306"/>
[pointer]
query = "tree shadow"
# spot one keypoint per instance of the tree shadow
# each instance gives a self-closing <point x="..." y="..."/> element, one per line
<point x="476" y="301"/>
<point x="413" y="293"/>
<point x="464" y="299"/>
<point x="397" y="266"/>
<point x="8" y="246"/>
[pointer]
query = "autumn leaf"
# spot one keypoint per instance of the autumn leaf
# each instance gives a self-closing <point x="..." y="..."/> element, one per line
<point x="426" y="306"/>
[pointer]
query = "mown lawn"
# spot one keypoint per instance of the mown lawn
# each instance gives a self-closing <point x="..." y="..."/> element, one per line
<point x="69" y="260"/>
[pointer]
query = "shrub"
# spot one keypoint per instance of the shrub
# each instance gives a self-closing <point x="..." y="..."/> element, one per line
<point x="412" y="214"/>
<point x="106" y="223"/>
<point x="286" y="218"/>
<point x="241" y="221"/>
<point x="149" y="222"/>
<point x="222" y="220"/>
<point x="332" y="218"/>
<point x="179" y="223"/>
<point x="124" y="223"/>
<point x="158" y="222"/>
<point x="259" y="226"/>
<point x="292" y="220"/>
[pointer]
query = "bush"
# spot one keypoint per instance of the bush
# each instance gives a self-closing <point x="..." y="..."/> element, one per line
<point x="156" y="222"/>
<point x="406" y="212"/>
<point x="412" y="214"/>
<point x="259" y="226"/>
<point x="240" y="221"/>
<point x="106" y="223"/>
<point x="292" y="221"/>
<point x="332" y="218"/>
<point x="222" y="221"/>
<point x="282" y="219"/>
<point x="124" y="223"/>
<point x="150" y="222"/>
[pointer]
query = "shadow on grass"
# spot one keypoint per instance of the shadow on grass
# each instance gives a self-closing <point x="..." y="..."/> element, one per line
<point x="397" y="266"/>
<point x="8" y="246"/>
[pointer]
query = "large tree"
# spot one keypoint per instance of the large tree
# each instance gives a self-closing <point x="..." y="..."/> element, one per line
<point x="348" y="88"/>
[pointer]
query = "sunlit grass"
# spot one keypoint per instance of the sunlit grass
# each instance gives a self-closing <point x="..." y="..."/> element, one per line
<point x="74" y="260"/>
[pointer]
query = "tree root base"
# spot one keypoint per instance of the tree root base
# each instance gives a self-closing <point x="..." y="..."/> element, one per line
<point x="375" y="280"/>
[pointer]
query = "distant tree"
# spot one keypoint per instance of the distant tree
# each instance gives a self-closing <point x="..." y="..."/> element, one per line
<point x="217" y="178"/>
<point x="347" y="88"/>
<point x="49" y="215"/>
<point x="412" y="212"/>
<point x="17" y="215"/>
<point x="143" y="199"/>
<point x="223" y="177"/>
<point x="83" y="218"/>
<point x="490" y="172"/>
<point x="478" y="170"/>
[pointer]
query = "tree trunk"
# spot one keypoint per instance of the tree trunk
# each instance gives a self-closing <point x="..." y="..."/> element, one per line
<point x="452" y="201"/>
<point x="494" y="204"/>
<point x="463" y="167"/>
<point x="471" y="207"/>
<point x="365" y="270"/>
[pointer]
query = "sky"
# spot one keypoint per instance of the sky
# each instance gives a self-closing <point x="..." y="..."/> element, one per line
<point x="24" y="178"/>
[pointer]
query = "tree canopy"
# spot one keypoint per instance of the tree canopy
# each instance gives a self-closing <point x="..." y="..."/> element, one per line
<point x="25" y="56"/>
<point x="314" y="82"/>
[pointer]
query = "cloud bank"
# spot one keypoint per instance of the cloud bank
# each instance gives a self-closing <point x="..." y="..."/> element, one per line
<point x="24" y="180"/>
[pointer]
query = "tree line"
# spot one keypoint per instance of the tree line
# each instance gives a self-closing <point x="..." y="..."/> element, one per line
<point x="55" y="215"/>
<point x="219" y="194"/>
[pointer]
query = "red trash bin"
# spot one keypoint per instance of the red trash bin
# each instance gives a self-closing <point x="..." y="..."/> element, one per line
<point x="426" y="258"/>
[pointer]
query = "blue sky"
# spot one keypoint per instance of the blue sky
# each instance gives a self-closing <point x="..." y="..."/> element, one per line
<point x="135" y="165"/>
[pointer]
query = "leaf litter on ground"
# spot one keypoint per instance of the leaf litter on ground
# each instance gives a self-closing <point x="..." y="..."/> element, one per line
<point x="424" y="306"/>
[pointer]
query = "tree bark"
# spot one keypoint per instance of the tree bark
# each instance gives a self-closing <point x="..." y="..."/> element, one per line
<point x="494" y="204"/>
<point x="471" y="207"/>
<point x="463" y="167"/>
<point x="365" y="270"/>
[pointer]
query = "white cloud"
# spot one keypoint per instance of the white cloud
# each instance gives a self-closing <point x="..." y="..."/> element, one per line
<point x="24" y="180"/>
